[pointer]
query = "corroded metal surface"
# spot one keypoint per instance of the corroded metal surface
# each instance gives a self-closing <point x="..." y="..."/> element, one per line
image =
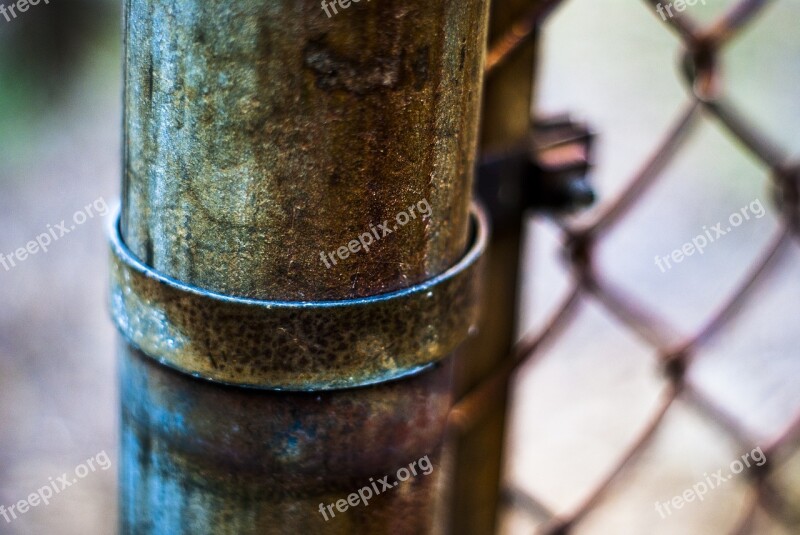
<point x="259" y="133"/>
<point x="296" y="345"/>
<point x="200" y="458"/>
<point x="478" y="449"/>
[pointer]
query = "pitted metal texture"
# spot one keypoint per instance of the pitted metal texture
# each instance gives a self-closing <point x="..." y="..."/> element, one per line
<point x="288" y="345"/>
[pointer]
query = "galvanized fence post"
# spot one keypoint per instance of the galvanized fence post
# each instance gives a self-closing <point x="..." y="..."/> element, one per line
<point x="269" y="366"/>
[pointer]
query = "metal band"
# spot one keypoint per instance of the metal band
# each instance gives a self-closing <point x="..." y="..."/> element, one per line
<point x="284" y="345"/>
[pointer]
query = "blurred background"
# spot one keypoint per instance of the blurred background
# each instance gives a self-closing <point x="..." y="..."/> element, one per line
<point x="60" y="118"/>
<point x="611" y="63"/>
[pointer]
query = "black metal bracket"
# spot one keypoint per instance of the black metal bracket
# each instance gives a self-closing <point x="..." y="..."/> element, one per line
<point x="550" y="173"/>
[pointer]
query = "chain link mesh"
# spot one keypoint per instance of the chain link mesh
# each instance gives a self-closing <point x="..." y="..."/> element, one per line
<point x="701" y="63"/>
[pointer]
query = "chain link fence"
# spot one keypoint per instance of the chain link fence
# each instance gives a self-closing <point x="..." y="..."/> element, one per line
<point x="704" y="46"/>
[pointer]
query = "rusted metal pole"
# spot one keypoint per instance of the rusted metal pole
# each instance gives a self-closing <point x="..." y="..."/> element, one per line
<point x="268" y="365"/>
<point x="506" y="124"/>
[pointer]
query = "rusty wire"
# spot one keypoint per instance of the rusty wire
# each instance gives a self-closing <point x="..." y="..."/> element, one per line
<point x="701" y="69"/>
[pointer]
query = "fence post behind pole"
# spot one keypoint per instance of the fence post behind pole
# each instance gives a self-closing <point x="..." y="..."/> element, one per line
<point x="505" y="126"/>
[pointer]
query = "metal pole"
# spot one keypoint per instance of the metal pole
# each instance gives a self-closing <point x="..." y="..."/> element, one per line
<point x="268" y="365"/>
<point x="526" y="165"/>
<point x="505" y="126"/>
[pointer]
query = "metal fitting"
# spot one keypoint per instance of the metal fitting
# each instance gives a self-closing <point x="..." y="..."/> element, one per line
<point x="288" y="345"/>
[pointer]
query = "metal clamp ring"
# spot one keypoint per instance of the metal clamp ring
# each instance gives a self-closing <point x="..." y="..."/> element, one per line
<point x="300" y="346"/>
